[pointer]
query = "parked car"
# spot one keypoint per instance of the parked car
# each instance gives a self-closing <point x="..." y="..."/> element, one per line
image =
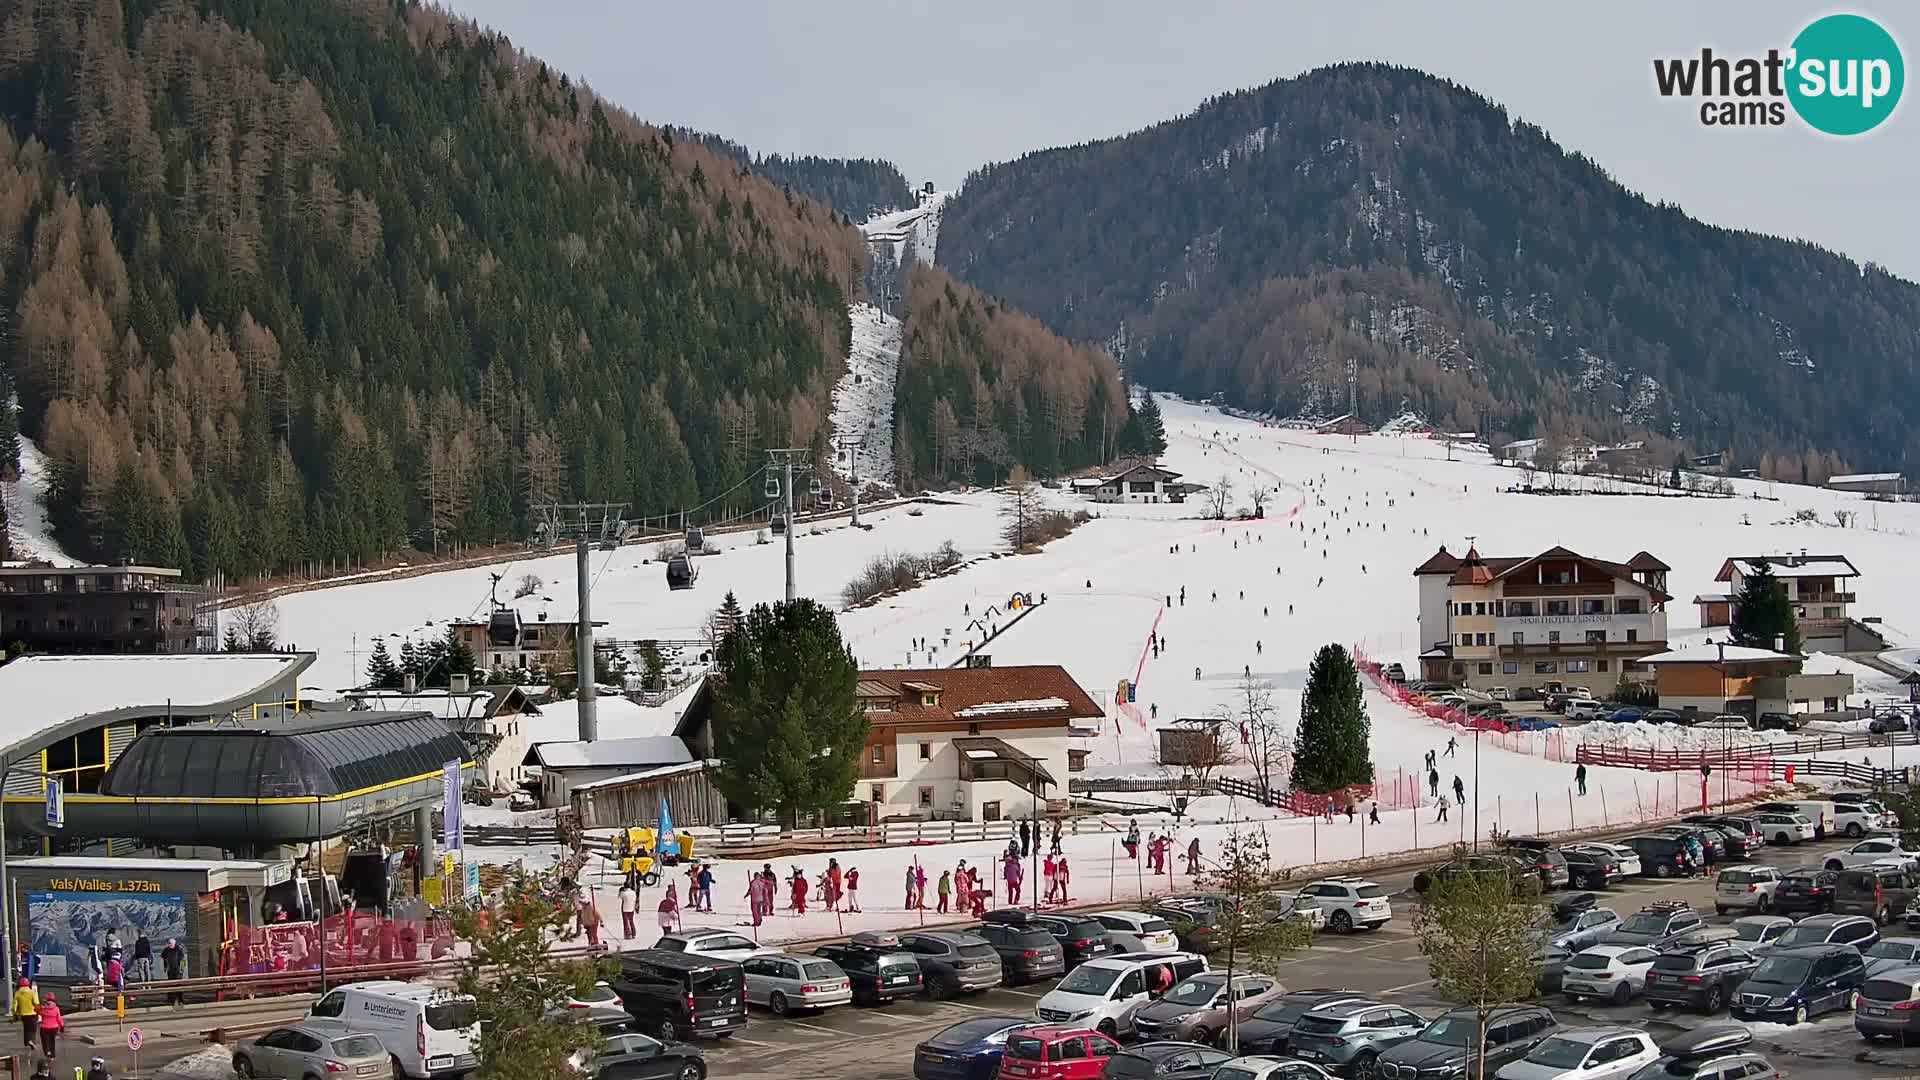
<point x="1595" y="1053"/>
<point x="1779" y="721"/>
<point x="1103" y="994"/>
<point x="1793" y="985"/>
<point x="1270" y="1031"/>
<point x="1349" y="1039"/>
<point x="1726" y="722"/>
<point x="784" y="982"/>
<point x="1165" y="1061"/>
<point x="1890" y="953"/>
<point x="1582" y="928"/>
<point x="1756" y="932"/>
<point x="1881" y="893"/>
<point x="1664" y="856"/>
<point x="1806" y="890"/>
<point x="1628" y="858"/>
<point x="1703" y="977"/>
<point x="1552" y="866"/>
<point x="1586" y="709"/>
<point x="1056" y="1053"/>
<point x="1078" y="937"/>
<point x="1862" y="818"/>
<point x="1855" y="930"/>
<point x="954" y="962"/>
<point x="1656" y="925"/>
<point x="1888" y="722"/>
<point x="878" y="968"/>
<point x="1733" y="840"/>
<point x="1746" y="828"/>
<point x="1713" y="1052"/>
<point x="1197" y="1009"/>
<point x="1748" y="888"/>
<point x="679" y="996"/>
<point x="968" y="1050"/>
<point x="1663" y="716"/>
<point x="1631" y="714"/>
<point x="1351" y="903"/>
<point x="1713" y="842"/>
<point x="1192" y="925"/>
<point x="1553" y="967"/>
<point x="639" y="1057"/>
<point x="1500" y="693"/>
<point x="1027" y="953"/>
<point x="1615" y="973"/>
<point x="1866" y="852"/>
<point x="719" y="944"/>
<point x="1590" y="867"/>
<point x="1446" y="1046"/>
<point x="1526" y="693"/>
<point x="1889" y="1005"/>
<point x="1293" y="904"/>
<point x="1136" y="931"/>
<point x="1783" y="828"/>
<point x="304" y="1050"/>
<point x="1510" y="865"/>
<point x="1255" y="1067"/>
<point x="1821" y="812"/>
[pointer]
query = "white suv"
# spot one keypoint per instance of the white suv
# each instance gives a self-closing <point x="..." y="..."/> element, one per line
<point x="1748" y="887"/>
<point x="1102" y="994"/>
<point x="1351" y="903"/>
<point x="1586" y="709"/>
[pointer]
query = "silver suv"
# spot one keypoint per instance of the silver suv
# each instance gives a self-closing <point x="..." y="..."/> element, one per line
<point x="1347" y="1038"/>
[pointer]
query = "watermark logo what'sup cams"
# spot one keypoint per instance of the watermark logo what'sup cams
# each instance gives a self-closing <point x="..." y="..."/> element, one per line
<point x="1842" y="75"/>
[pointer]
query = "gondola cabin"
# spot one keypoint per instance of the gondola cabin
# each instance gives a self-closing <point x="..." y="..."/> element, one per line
<point x="696" y="540"/>
<point x="778" y="526"/>
<point x="680" y="573"/>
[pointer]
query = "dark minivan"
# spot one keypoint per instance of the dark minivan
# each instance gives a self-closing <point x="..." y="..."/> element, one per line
<point x="1447" y="1046"/>
<point x="1881" y="893"/>
<point x="675" y="995"/>
<point x="1662" y="856"/>
<point x="878" y="970"/>
<point x="1793" y="985"/>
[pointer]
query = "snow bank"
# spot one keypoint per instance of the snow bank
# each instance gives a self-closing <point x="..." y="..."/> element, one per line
<point x="26" y="500"/>
<point x="863" y="401"/>
<point x="207" y="1063"/>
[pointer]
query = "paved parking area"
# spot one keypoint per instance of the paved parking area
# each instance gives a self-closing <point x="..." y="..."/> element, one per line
<point x="877" y="1043"/>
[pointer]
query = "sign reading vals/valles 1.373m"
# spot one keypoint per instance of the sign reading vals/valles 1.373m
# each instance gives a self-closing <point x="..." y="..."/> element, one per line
<point x="81" y="884"/>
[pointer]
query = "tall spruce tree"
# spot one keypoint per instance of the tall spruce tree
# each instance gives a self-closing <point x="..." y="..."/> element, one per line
<point x="786" y="726"/>
<point x="382" y="672"/>
<point x="456" y="658"/>
<point x="1762" y="612"/>
<point x="1153" y="428"/>
<point x="1332" y="747"/>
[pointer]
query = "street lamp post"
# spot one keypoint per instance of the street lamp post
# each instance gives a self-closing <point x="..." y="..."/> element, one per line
<point x="1726" y="734"/>
<point x="1477" y="732"/>
<point x="6" y="882"/>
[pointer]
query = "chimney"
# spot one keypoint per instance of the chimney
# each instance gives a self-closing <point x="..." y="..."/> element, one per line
<point x="409" y="682"/>
<point x="457" y="683"/>
<point x="1780" y="643"/>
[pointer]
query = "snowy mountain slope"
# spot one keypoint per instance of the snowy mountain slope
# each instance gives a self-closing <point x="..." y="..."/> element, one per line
<point x="918" y="226"/>
<point x="26" y="500"/>
<point x="863" y="401"/>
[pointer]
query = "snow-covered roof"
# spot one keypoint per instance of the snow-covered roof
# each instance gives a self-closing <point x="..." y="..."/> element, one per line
<point x="991" y="708"/>
<point x="643" y="774"/>
<point x="1863" y="478"/>
<point x="1795" y="566"/>
<point x="609" y="753"/>
<point x="1702" y="652"/>
<point x="616" y="717"/>
<point x="45" y="693"/>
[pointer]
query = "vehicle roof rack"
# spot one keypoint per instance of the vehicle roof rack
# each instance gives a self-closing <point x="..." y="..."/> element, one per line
<point x="1668" y="905"/>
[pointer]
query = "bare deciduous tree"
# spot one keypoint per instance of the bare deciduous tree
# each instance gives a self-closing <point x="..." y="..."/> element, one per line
<point x="1260" y="729"/>
<point x="1020" y="505"/>
<point x="527" y="585"/>
<point x="1191" y="751"/>
<point x="252" y="627"/>
<point x="1259" y="494"/>
<point x="1220" y="496"/>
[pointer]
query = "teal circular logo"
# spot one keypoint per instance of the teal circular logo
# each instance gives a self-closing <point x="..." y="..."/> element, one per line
<point x="1847" y="75"/>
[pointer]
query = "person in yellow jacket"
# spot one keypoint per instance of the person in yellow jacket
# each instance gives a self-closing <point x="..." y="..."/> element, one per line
<point x="26" y="1009"/>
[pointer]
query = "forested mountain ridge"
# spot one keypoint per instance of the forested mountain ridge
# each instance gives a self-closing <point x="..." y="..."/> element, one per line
<point x="856" y="188"/>
<point x="294" y="283"/>
<point x="1473" y="270"/>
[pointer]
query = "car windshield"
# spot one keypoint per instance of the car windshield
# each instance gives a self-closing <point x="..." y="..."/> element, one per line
<point x="1571" y="922"/>
<point x="717" y="980"/>
<point x="1674" y="962"/>
<point x="1798" y="881"/>
<point x="1087" y="979"/>
<point x="1790" y="970"/>
<point x="1312" y="1024"/>
<point x="968" y="1032"/>
<point x="452" y="1015"/>
<point x="1155" y="926"/>
<point x="1560" y="1052"/>
<point x="1282" y="1011"/>
<point x="1369" y="892"/>
<point x="977" y="952"/>
<point x="1645" y="924"/>
<point x="357" y="1046"/>
<point x="1803" y="935"/>
<point x="1751" y="931"/>
<point x="1898" y="950"/>
<point x="1449" y="1031"/>
<point x="1127" y="1067"/>
<point x="599" y="994"/>
<point x="1739" y="877"/>
<point x="1193" y="992"/>
<point x="1234" y="1072"/>
<point x="1587" y="961"/>
<point x="820" y="971"/>
<point x="1026" y="1048"/>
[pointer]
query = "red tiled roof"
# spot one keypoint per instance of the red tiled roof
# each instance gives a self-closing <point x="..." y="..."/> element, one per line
<point x="966" y="688"/>
<point x="1440" y="562"/>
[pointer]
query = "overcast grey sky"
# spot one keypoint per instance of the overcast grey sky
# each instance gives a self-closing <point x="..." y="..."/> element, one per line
<point x="941" y="89"/>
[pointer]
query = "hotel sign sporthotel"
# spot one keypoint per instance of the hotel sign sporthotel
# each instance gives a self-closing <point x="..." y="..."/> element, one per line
<point x="88" y="884"/>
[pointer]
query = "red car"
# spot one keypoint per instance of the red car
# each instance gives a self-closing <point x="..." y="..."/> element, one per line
<point x="1055" y="1053"/>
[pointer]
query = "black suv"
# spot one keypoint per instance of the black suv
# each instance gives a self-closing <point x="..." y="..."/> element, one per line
<point x="1517" y="866"/>
<point x="1808" y="889"/>
<point x="1449" y="1045"/>
<point x="1027" y="953"/>
<point x="1590" y="867"/>
<point x="1663" y="856"/>
<point x="1733" y="839"/>
<point x="1080" y="939"/>
<point x="877" y="972"/>
<point x="1700" y="977"/>
<point x="676" y="995"/>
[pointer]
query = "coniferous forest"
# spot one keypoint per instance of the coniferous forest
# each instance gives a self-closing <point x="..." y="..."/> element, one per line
<point x="1473" y="270"/>
<point x="297" y="283"/>
<point x="856" y="188"/>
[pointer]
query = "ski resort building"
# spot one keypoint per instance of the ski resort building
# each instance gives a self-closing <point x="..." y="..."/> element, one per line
<point x="1710" y="679"/>
<point x="1820" y="587"/>
<point x="508" y="639"/>
<point x="1141" y="484"/>
<point x="1886" y="483"/>
<point x="966" y="744"/>
<point x="104" y="609"/>
<point x="1556" y="617"/>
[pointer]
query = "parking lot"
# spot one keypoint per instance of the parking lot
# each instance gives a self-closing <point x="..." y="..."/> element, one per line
<point x="878" y="1043"/>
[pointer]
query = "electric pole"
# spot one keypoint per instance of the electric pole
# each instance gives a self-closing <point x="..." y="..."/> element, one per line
<point x="1353" y="398"/>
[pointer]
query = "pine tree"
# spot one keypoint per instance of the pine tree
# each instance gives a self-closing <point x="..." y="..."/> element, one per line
<point x="1331" y="750"/>
<point x="1762" y="612"/>
<point x="786" y="726"/>
<point x="382" y="672"/>
<point x="456" y="658"/>
<point x="410" y="660"/>
<point x="1153" y="428"/>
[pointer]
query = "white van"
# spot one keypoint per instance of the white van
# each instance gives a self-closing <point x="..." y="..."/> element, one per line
<point x="429" y="1031"/>
<point x="1821" y="813"/>
<point x="1587" y="709"/>
<point x="1102" y="994"/>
